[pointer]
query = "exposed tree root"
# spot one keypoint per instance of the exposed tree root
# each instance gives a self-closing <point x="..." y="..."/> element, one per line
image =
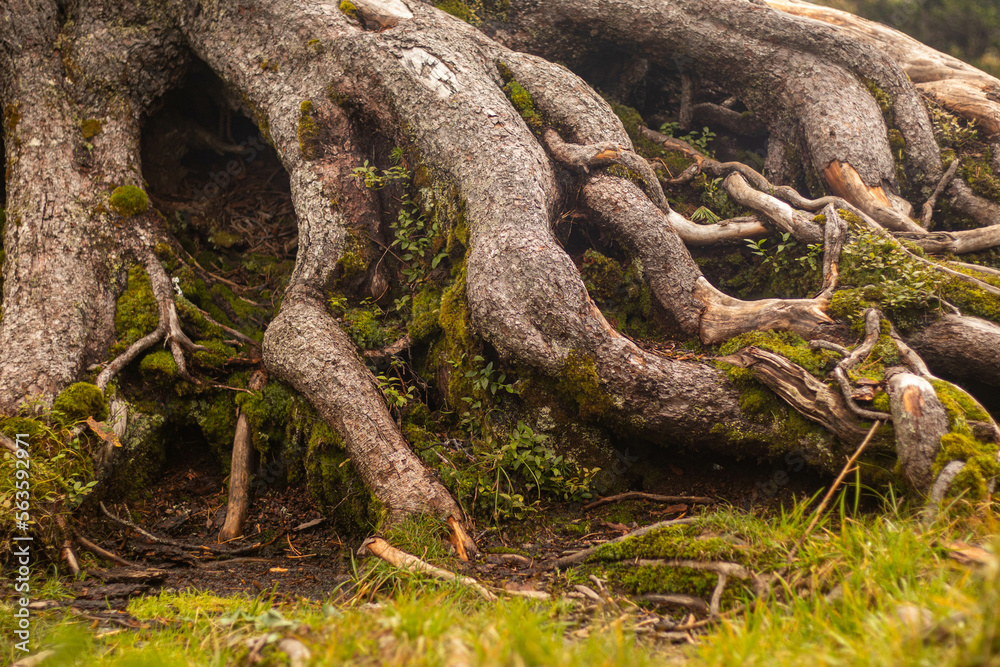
<point x="168" y="330"/>
<point x="810" y="397"/>
<point x="873" y="324"/>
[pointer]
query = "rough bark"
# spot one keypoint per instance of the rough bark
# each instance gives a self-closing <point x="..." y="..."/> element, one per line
<point x="961" y="347"/>
<point x="919" y="420"/>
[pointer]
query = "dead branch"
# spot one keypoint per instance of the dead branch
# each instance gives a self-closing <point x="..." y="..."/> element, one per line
<point x="184" y="545"/>
<point x="102" y="552"/>
<point x="403" y="560"/>
<point x="584" y="554"/>
<point x="640" y="495"/>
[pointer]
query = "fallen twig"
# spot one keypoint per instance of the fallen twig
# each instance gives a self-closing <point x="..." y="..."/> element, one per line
<point x="102" y="552"/>
<point x="401" y="559"/>
<point x="833" y="488"/>
<point x="185" y="545"/>
<point x="640" y="495"/>
<point x="584" y="554"/>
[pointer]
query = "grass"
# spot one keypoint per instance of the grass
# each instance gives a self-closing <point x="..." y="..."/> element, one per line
<point x="839" y="605"/>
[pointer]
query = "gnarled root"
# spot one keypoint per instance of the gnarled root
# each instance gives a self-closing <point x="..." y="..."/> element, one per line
<point x="168" y="330"/>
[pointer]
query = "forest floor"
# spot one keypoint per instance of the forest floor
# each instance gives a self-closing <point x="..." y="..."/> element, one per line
<point x="874" y="584"/>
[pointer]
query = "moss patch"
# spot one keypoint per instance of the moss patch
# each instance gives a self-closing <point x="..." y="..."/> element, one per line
<point x="90" y="128"/>
<point x="308" y="131"/>
<point x="348" y="9"/>
<point x="579" y="382"/>
<point x="79" y="401"/>
<point x="789" y="345"/>
<point x="137" y="313"/>
<point x="128" y="200"/>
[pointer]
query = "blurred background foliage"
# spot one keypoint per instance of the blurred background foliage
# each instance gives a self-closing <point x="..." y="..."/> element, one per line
<point x="966" y="29"/>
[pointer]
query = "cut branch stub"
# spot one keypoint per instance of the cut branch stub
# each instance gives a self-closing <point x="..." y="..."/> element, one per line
<point x="920" y="420"/>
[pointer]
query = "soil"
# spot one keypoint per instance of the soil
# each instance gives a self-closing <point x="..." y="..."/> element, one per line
<point x="298" y="556"/>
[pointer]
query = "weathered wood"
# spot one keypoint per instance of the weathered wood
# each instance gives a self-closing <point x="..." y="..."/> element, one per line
<point x="241" y="470"/>
<point x="919" y="420"/>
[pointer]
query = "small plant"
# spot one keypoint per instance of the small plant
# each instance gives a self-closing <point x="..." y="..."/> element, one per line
<point x="705" y="215"/>
<point x="524" y="466"/>
<point x="950" y="131"/>
<point x="699" y="140"/>
<point x="395" y="391"/>
<point x="376" y="179"/>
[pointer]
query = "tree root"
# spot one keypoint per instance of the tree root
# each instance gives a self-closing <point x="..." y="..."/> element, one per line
<point x="873" y="324"/>
<point x="169" y="328"/>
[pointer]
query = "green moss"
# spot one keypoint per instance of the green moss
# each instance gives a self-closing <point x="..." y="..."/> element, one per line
<point x="579" y="382"/>
<point x="224" y="239"/>
<point x="789" y="345"/>
<point x="217" y="354"/>
<point x="90" y="128"/>
<point x="159" y="364"/>
<point x="349" y="10"/>
<point x="353" y="261"/>
<point x="980" y="464"/>
<point x="459" y="9"/>
<point x="128" y="200"/>
<point x="628" y="174"/>
<point x="365" y="330"/>
<point x="308" y="131"/>
<point x="972" y="300"/>
<point x="79" y="401"/>
<point x="426" y="311"/>
<point x="666" y="579"/>
<point x="977" y="171"/>
<point x="673" y="542"/>
<point x="881" y="402"/>
<point x="820" y="219"/>
<point x="882" y="98"/>
<point x="137" y="313"/>
<point x="601" y="275"/>
<point x="216" y="417"/>
<point x="268" y="412"/>
<point x="335" y="485"/>
<point x="960" y="406"/>
<point x="896" y="140"/>
<point x="524" y="104"/>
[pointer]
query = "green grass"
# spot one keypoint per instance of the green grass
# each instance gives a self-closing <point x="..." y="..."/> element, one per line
<point x="838" y="605"/>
